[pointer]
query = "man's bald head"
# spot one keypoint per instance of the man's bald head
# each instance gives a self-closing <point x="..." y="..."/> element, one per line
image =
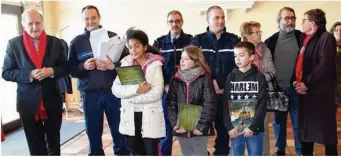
<point x="32" y="21"/>
<point x="30" y="12"/>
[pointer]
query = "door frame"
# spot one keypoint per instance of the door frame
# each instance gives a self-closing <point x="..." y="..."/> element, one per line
<point x="13" y="10"/>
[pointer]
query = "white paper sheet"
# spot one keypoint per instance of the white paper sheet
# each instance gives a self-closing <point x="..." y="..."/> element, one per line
<point x="112" y="48"/>
<point x="102" y="46"/>
<point x="96" y="37"/>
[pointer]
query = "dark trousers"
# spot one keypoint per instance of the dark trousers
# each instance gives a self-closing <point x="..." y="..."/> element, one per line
<point x="222" y="139"/>
<point x="142" y="146"/>
<point x="166" y="143"/>
<point x="308" y="149"/>
<point x="43" y="137"/>
<point x="94" y="105"/>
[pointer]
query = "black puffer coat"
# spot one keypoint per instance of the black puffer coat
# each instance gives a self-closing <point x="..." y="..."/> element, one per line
<point x="199" y="92"/>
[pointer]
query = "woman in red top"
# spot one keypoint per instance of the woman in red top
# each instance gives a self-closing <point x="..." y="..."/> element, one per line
<point x="314" y="81"/>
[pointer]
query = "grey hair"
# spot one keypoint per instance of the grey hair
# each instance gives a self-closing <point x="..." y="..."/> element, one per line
<point x="174" y="12"/>
<point x="280" y="12"/>
<point x="212" y="7"/>
<point x="26" y="11"/>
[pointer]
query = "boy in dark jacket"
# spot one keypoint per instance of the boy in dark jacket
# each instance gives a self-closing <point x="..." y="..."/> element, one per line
<point x="245" y="91"/>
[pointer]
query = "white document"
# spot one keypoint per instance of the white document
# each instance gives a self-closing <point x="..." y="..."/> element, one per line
<point x="96" y="37"/>
<point x="112" y="48"/>
<point x="102" y="46"/>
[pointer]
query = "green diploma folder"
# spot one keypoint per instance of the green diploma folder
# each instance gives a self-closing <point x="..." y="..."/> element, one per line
<point x="130" y="75"/>
<point x="189" y="115"/>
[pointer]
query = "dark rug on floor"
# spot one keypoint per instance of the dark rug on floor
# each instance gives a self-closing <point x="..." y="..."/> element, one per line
<point x="16" y="145"/>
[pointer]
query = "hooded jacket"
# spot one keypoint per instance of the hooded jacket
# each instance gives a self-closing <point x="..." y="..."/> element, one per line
<point x="245" y="87"/>
<point x="201" y="92"/>
<point x="153" y="124"/>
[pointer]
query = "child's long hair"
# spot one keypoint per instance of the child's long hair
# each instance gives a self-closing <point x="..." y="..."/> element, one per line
<point x="195" y="54"/>
<point x="137" y="34"/>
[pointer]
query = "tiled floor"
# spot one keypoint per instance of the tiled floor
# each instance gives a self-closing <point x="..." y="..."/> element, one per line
<point x="78" y="146"/>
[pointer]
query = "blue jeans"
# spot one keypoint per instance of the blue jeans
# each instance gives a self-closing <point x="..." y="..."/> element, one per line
<point x="280" y="123"/>
<point x="167" y="142"/>
<point x="94" y="105"/>
<point x="254" y="145"/>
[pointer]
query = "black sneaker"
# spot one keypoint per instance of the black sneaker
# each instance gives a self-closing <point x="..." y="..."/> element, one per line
<point x="279" y="153"/>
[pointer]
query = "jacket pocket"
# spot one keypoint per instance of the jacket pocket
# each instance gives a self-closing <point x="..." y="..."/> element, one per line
<point x="153" y="121"/>
<point x="124" y="116"/>
<point x="153" y="117"/>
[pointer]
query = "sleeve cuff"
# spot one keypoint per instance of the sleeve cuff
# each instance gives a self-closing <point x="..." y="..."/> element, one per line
<point x="81" y="66"/>
<point x="305" y="81"/>
<point x="253" y="129"/>
<point x="202" y="128"/>
<point x="229" y="128"/>
<point x="30" y="80"/>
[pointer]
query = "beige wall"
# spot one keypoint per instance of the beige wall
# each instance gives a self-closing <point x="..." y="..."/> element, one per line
<point x="150" y="16"/>
<point x="49" y="14"/>
<point x="266" y="14"/>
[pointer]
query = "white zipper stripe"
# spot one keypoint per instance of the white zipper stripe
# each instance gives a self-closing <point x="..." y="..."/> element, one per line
<point x="226" y="50"/>
<point x="170" y="50"/>
<point x="222" y="50"/>
<point x="209" y="50"/>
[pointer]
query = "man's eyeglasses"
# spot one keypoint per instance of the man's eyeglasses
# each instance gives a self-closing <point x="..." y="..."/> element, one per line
<point x="287" y="18"/>
<point x="258" y="32"/>
<point x="174" y="21"/>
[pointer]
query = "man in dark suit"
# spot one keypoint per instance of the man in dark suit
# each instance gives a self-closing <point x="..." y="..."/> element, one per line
<point x="35" y="61"/>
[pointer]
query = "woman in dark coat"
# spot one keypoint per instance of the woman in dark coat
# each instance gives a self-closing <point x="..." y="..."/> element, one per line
<point x="314" y="81"/>
<point x="336" y="30"/>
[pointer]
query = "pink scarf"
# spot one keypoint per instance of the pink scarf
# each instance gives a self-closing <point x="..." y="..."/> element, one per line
<point x="258" y="59"/>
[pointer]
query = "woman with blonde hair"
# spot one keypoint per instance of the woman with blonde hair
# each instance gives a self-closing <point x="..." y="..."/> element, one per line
<point x="250" y="31"/>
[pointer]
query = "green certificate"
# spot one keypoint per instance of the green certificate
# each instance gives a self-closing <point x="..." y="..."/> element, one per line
<point x="130" y="75"/>
<point x="189" y="115"/>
